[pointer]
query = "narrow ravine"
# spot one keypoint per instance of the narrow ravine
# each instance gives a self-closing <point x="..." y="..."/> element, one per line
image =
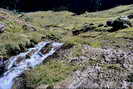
<point x="25" y="61"/>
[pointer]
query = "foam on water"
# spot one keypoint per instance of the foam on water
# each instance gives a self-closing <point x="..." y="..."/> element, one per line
<point x="15" y="69"/>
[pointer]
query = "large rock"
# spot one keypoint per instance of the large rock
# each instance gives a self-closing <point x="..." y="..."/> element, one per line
<point x="130" y="16"/>
<point x="20" y="83"/>
<point x="119" y="23"/>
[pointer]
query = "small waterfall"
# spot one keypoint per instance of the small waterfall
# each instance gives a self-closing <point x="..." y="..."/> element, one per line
<point x="25" y="61"/>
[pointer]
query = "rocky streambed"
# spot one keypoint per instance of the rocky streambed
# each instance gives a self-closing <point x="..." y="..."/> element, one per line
<point x="17" y="65"/>
<point x="101" y="67"/>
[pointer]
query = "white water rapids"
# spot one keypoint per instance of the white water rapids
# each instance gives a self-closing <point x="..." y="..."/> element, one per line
<point x="20" y="63"/>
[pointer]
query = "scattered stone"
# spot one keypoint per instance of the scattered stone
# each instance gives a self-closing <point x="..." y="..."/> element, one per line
<point x="2" y="17"/>
<point x="43" y="86"/>
<point x="109" y="23"/>
<point x="76" y="32"/>
<point x="100" y="25"/>
<point x="20" y="83"/>
<point x="29" y="27"/>
<point x="91" y="24"/>
<point x="2" y="28"/>
<point x="19" y="59"/>
<point x="78" y="60"/>
<point x="130" y="16"/>
<point x="21" y="15"/>
<point x="95" y="77"/>
<point x="107" y="67"/>
<point x="106" y="72"/>
<point x="85" y="28"/>
<point x="105" y="26"/>
<point x="46" y="49"/>
<point x="30" y="53"/>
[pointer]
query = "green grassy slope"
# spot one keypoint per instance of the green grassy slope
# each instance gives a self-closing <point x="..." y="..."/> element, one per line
<point x="58" y="26"/>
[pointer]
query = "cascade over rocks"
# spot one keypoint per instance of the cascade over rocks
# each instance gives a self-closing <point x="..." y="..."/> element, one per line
<point x="17" y="65"/>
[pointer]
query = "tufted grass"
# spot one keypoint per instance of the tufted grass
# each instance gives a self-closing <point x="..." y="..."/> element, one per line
<point x="52" y="72"/>
<point x="58" y="26"/>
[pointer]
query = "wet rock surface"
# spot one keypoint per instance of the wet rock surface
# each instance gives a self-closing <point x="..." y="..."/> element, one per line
<point x="20" y="83"/>
<point x="2" y="66"/>
<point x="17" y="65"/>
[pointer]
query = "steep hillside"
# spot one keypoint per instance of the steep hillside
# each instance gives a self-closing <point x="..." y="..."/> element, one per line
<point x="93" y="55"/>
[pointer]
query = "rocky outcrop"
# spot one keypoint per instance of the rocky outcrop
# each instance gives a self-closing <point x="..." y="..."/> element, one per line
<point x="96" y="77"/>
<point x="107" y="68"/>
